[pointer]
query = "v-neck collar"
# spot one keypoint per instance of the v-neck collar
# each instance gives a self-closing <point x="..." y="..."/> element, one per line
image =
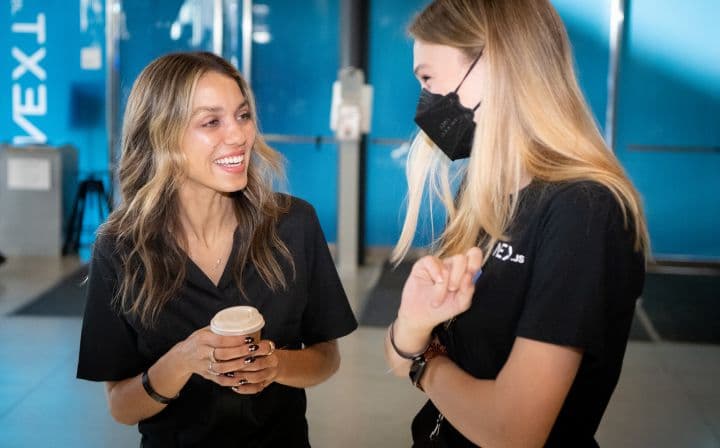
<point x="200" y="278"/>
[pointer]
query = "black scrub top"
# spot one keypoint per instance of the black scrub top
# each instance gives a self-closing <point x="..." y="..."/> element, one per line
<point x="567" y="275"/>
<point x="313" y="309"/>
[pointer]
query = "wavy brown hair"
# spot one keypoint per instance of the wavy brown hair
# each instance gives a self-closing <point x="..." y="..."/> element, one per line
<point x="533" y="119"/>
<point x="145" y="228"/>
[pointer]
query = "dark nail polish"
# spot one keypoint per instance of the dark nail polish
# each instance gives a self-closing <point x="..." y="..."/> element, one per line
<point x="249" y="339"/>
<point x="249" y="360"/>
<point x="243" y="382"/>
<point x="230" y="374"/>
<point x="253" y="347"/>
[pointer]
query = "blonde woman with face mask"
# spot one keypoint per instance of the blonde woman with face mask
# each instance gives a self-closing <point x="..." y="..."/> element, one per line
<point x="515" y="326"/>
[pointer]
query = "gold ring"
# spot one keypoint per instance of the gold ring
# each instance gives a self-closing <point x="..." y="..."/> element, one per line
<point x="211" y="357"/>
<point x="272" y="348"/>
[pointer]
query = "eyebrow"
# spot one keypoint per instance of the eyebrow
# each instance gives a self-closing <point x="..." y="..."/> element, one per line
<point x="215" y="109"/>
<point x="419" y="67"/>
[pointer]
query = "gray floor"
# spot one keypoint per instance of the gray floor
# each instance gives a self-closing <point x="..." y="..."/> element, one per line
<point x="667" y="396"/>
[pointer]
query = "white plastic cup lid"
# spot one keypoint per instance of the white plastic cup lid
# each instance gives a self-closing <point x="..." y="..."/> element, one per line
<point x="237" y="320"/>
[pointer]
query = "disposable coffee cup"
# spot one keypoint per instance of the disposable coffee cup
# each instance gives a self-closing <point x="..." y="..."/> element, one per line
<point x="238" y="321"/>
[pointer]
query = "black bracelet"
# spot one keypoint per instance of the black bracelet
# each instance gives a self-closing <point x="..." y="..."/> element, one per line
<point x="154" y="395"/>
<point x="402" y="354"/>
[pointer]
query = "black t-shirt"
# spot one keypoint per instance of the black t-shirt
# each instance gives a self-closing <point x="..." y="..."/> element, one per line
<point x="313" y="309"/>
<point x="567" y="275"/>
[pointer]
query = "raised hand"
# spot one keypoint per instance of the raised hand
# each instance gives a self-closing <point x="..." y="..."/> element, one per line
<point x="438" y="289"/>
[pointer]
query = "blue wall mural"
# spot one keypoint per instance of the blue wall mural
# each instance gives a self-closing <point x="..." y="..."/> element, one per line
<point x="52" y="79"/>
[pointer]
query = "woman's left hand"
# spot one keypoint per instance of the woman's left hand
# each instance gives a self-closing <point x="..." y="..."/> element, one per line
<point x="254" y="365"/>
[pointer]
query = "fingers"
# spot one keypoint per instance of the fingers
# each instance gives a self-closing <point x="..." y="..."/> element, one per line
<point x="238" y="362"/>
<point x="261" y="348"/>
<point x="249" y="388"/>
<point x="250" y="369"/>
<point x="249" y="363"/>
<point x="456" y="267"/>
<point x="255" y="374"/>
<point x="249" y="382"/>
<point x="471" y="265"/>
<point x="204" y="347"/>
<point x="435" y="272"/>
<point x="459" y="271"/>
<point x="463" y="296"/>
<point x="265" y="374"/>
<point x="207" y="337"/>
<point x="474" y="260"/>
<point x="430" y="268"/>
<point x="450" y="270"/>
<point x="219" y="341"/>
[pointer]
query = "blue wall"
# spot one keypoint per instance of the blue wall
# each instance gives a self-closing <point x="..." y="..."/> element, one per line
<point x="396" y="94"/>
<point x="669" y="96"/>
<point x="292" y="78"/>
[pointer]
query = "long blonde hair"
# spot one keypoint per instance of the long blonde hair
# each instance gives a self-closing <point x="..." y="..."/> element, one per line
<point x="145" y="228"/>
<point x="533" y="119"/>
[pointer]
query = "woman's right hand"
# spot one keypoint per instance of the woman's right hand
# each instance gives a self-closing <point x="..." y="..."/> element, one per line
<point x="130" y="403"/>
<point x="197" y="354"/>
<point x="435" y="291"/>
<point x="438" y="290"/>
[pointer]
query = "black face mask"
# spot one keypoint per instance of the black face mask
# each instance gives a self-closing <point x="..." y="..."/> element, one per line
<point x="449" y="124"/>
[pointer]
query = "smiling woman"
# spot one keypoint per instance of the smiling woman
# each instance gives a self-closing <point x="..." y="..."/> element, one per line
<point x="199" y="229"/>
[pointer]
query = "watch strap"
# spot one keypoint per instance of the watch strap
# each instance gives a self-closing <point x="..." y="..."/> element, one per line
<point x="420" y="362"/>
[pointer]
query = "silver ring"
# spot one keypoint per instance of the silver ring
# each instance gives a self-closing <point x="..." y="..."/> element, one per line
<point x="211" y="357"/>
<point x="272" y="348"/>
<point x="210" y="369"/>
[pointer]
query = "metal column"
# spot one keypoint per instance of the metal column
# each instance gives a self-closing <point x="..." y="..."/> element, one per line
<point x="617" y="25"/>
<point x="351" y="154"/>
<point x="113" y="12"/>
<point x="218" y="27"/>
<point x="247" y="28"/>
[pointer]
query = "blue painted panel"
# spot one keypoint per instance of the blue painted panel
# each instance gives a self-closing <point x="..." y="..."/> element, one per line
<point x="386" y="191"/>
<point x="312" y="175"/>
<point x="670" y="96"/>
<point x="42" y="43"/>
<point x="396" y="94"/>
<point x="588" y="26"/>
<point x="157" y="27"/>
<point x="292" y="78"/>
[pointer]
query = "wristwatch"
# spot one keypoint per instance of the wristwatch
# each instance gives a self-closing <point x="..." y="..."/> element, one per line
<point x="420" y="362"/>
